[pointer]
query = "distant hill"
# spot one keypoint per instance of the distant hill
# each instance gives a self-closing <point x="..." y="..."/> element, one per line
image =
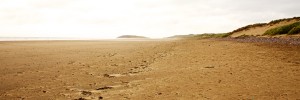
<point x="204" y="35"/>
<point x="182" y="36"/>
<point x="260" y="29"/>
<point x="131" y="36"/>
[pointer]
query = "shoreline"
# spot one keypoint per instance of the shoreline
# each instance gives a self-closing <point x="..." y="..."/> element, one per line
<point x="64" y="39"/>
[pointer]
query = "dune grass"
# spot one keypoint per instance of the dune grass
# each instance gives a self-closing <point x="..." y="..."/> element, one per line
<point x="248" y="27"/>
<point x="285" y="19"/>
<point x="286" y="29"/>
<point x="295" y="30"/>
<point x="273" y="22"/>
<point x="212" y="35"/>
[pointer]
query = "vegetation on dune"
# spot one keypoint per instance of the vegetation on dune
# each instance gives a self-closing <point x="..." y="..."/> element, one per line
<point x="295" y="30"/>
<point x="286" y="29"/>
<point x="131" y="36"/>
<point x="212" y="35"/>
<point x="248" y="27"/>
<point x="263" y="24"/>
<point x="285" y="19"/>
<point x="182" y="36"/>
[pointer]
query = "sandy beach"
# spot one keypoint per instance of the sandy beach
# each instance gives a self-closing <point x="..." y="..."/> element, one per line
<point x="187" y="69"/>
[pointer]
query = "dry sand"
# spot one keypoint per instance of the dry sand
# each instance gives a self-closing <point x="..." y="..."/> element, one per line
<point x="139" y="70"/>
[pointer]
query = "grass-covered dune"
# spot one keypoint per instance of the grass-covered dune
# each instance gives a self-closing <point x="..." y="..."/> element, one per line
<point x="212" y="35"/>
<point x="275" y="27"/>
<point x="288" y="26"/>
<point x="290" y="29"/>
<point x="131" y="36"/>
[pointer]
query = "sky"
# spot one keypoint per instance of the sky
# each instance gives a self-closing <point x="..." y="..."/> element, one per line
<point x="151" y="18"/>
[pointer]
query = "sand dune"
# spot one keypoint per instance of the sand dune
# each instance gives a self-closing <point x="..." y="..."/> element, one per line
<point x="260" y="30"/>
<point x="177" y="69"/>
<point x="132" y="37"/>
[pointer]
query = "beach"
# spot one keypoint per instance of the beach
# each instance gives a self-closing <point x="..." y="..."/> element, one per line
<point x="185" y="69"/>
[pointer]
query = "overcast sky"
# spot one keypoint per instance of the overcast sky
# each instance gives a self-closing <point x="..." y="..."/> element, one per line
<point x="152" y="18"/>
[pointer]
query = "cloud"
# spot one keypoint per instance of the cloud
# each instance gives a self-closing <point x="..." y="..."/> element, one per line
<point x="154" y="18"/>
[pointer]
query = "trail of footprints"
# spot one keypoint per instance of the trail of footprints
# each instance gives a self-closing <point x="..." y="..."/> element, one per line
<point x="96" y="94"/>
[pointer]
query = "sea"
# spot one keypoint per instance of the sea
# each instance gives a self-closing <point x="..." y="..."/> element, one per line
<point x="59" y="38"/>
<point x="42" y="38"/>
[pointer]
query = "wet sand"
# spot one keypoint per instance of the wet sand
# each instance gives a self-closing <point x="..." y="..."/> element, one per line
<point x="158" y="69"/>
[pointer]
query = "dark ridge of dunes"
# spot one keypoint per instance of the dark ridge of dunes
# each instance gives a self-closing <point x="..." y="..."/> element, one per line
<point x="131" y="36"/>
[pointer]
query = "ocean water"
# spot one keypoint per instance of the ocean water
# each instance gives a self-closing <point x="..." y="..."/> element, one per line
<point x="92" y="39"/>
<point x="40" y="38"/>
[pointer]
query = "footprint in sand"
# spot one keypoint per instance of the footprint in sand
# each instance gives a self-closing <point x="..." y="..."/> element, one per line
<point x="110" y="87"/>
<point x="92" y="94"/>
<point x="95" y="94"/>
<point x="113" y="75"/>
<point x="141" y="68"/>
<point x="20" y="73"/>
<point x="90" y="98"/>
<point x="86" y="92"/>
